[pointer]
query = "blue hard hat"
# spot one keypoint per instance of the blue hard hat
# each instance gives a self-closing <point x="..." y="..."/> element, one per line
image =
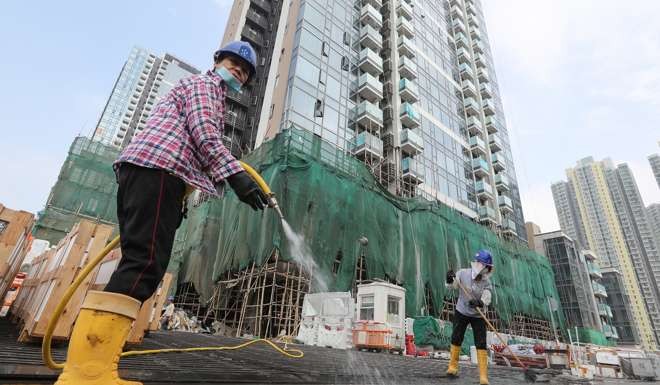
<point x="242" y="50"/>
<point x="484" y="257"/>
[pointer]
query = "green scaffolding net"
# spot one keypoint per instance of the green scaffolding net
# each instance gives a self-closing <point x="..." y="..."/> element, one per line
<point x="86" y="188"/>
<point x="589" y="336"/>
<point x="332" y="199"/>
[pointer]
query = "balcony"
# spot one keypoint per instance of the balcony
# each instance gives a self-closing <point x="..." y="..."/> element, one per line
<point x="486" y="91"/>
<point x="469" y="5"/>
<point x="257" y="18"/>
<point x="369" y="116"/>
<point x="502" y="182"/>
<point x="469" y="90"/>
<point x="492" y="125"/>
<point x="610" y="331"/>
<point x="599" y="290"/>
<point x="604" y="310"/>
<point x="509" y="227"/>
<point x="482" y="73"/>
<point x="412" y="170"/>
<point x="505" y="203"/>
<point x="264" y="5"/>
<point x="374" y="3"/>
<point x="480" y="167"/>
<point x="240" y="97"/>
<point x="471" y="107"/>
<point x="484" y="190"/>
<point x="406" y="47"/>
<point x="457" y="12"/>
<point x="594" y="270"/>
<point x="589" y="255"/>
<point x="473" y="22"/>
<point x="487" y="215"/>
<point x="408" y="91"/>
<point x="407" y="68"/>
<point x="370" y="88"/>
<point x="463" y="56"/>
<point x="370" y="62"/>
<point x="466" y="71"/>
<point x="409" y="116"/>
<point x="480" y="60"/>
<point x="498" y="162"/>
<point x="252" y="36"/>
<point x="488" y="106"/>
<point x="367" y="144"/>
<point x="477" y="47"/>
<point x="477" y="146"/>
<point x="404" y="9"/>
<point x="405" y="28"/>
<point x="411" y="142"/>
<point x="475" y="34"/>
<point x="495" y="143"/>
<point x="371" y="38"/>
<point x="474" y="125"/>
<point x="461" y="40"/>
<point x="371" y="16"/>
<point x="458" y="25"/>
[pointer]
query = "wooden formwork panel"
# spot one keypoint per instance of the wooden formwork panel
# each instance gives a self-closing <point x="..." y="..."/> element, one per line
<point x="56" y="269"/>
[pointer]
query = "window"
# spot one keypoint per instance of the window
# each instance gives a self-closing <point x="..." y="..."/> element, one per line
<point x="393" y="309"/>
<point x="307" y="71"/>
<point x="347" y="38"/>
<point x="325" y="48"/>
<point x="367" y="308"/>
<point x="318" y="108"/>
<point x="3" y="225"/>
<point x="344" y="63"/>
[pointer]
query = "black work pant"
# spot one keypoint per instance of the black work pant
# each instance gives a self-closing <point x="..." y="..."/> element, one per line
<point x="149" y="210"/>
<point x="461" y="322"/>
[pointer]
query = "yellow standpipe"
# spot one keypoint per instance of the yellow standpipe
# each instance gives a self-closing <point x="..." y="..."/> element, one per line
<point x="48" y="336"/>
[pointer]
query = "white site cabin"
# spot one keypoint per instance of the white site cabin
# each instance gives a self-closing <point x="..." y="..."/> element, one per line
<point x="384" y="302"/>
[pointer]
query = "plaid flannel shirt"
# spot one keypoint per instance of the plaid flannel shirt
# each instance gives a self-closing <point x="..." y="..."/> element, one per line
<point x="183" y="135"/>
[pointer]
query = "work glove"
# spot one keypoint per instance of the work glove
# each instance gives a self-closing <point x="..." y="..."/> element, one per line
<point x="476" y="303"/>
<point x="248" y="191"/>
<point x="450" y="277"/>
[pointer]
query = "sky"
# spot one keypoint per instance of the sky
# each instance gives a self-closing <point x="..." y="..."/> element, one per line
<point x="577" y="78"/>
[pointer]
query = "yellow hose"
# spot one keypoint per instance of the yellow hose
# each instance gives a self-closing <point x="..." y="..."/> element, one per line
<point x="46" y="353"/>
<point x="257" y="178"/>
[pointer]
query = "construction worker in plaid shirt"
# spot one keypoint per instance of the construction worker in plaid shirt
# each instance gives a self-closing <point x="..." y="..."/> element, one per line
<point x="180" y="148"/>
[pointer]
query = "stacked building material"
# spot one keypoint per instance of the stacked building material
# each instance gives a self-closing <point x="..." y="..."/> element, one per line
<point x="15" y="239"/>
<point x="55" y="270"/>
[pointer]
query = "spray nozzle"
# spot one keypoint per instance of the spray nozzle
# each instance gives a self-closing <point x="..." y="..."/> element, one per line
<point x="272" y="202"/>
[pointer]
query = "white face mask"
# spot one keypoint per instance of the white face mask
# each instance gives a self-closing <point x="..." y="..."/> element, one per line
<point x="477" y="267"/>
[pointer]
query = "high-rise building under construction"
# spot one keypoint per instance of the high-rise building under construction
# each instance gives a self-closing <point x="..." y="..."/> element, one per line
<point x="407" y="86"/>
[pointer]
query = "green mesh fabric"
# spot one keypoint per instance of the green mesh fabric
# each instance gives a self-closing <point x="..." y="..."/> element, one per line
<point x="428" y="331"/>
<point x="86" y="188"/>
<point x="590" y="336"/>
<point x="332" y="199"/>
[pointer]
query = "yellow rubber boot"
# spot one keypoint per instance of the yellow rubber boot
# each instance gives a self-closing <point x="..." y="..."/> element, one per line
<point x="97" y="340"/>
<point x="452" y="369"/>
<point x="482" y="360"/>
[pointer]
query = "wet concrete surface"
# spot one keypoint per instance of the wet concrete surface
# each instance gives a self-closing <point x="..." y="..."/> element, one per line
<point x="257" y="364"/>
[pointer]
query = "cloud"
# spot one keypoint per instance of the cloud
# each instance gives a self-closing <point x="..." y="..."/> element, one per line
<point x="538" y="206"/>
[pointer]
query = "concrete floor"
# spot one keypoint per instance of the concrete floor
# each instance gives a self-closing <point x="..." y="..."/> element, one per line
<point x="21" y="364"/>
